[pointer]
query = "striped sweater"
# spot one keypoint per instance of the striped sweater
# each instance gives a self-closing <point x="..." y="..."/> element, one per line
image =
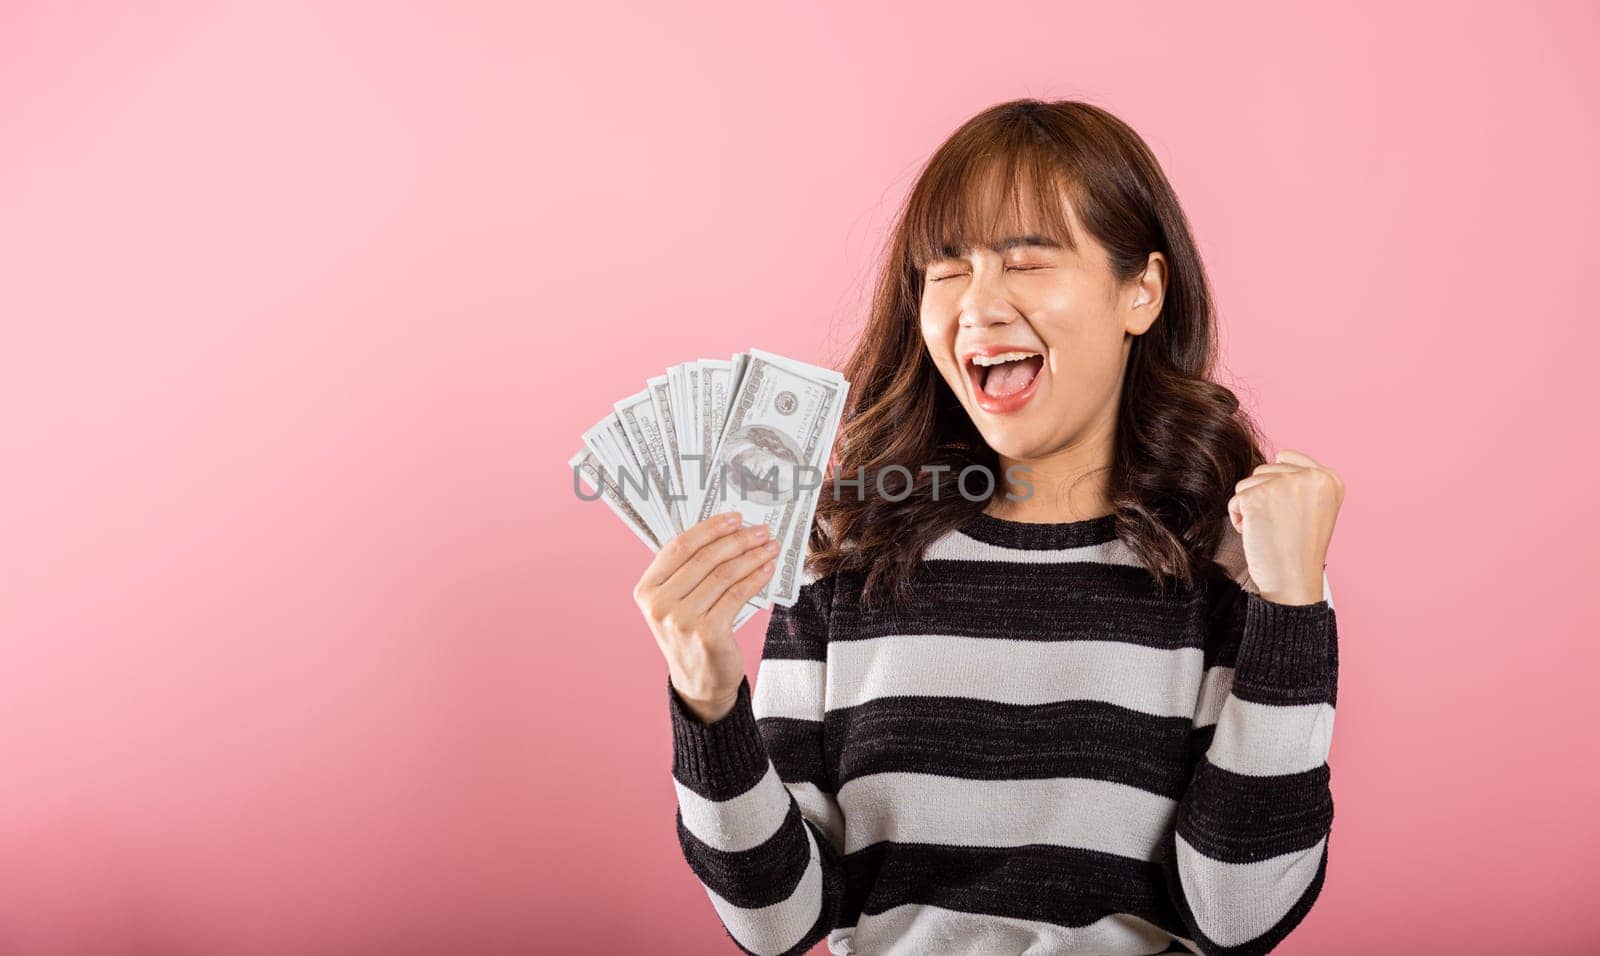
<point x="1039" y="754"/>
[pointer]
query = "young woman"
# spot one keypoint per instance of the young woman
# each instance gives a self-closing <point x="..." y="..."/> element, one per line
<point x="1087" y="712"/>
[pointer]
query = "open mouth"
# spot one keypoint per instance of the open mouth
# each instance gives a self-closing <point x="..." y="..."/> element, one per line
<point x="1005" y="375"/>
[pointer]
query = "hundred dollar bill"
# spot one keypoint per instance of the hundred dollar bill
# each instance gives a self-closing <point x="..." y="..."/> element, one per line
<point x="685" y="421"/>
<point x="696" y="396"/>
<point x="774" y="442"/>
<point x="691" y="387"/>
<point x="716" y="396"/>
<point x="753" y="433"/>
<point x="642" y="430"/>
<point x="609" y="442"/>
<point x="716" y="390"/>
<point x="661" y="398"/>
<point x="586" y="464"/>
<point x="786" y="589"/>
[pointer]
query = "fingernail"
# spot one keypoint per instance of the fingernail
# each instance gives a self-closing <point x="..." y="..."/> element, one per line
<point x="730" y="519"/>
<point x="759" y="531"/>
<point x="771" y="547"/>
<point x="766" y="568"/>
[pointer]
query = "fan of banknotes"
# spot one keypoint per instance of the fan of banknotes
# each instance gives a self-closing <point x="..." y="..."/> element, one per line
<point x="752" y="433"/>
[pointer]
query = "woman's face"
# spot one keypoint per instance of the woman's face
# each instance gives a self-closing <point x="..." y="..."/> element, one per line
<point x="1033" y="337"/>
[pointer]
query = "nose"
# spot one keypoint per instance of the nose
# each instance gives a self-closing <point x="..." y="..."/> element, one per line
<point x="983" y="303"/>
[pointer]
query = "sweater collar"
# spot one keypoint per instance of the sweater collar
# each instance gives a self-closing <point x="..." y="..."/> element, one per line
<point x="1041" y="537"/>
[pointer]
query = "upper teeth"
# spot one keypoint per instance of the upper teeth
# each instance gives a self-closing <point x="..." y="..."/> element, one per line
<point x="1002" y="358"/>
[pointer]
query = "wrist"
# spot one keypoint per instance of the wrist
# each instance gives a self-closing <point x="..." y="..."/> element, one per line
<point x="707" y="710"/>
<point x="1295" y="591"/>
<point x="1292" y="596"/>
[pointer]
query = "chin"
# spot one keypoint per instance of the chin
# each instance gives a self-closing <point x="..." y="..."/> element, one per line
<point x="1015" y="443"/>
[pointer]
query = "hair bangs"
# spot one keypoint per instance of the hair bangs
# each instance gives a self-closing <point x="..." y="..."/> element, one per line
<point x="974" y="199"/>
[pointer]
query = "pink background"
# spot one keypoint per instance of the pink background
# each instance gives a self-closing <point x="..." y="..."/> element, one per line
<point x="309" y="648"/>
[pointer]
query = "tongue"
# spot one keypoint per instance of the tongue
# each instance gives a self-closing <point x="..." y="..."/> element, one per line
<point x="1012" y="377"/>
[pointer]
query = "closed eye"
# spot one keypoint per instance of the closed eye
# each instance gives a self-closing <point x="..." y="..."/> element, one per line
<point x="1008" y="269"/>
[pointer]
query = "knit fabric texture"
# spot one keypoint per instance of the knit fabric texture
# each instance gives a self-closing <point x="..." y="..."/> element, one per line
<point x="1039" y="753"/>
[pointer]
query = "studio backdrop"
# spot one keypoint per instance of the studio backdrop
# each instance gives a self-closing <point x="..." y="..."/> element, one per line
<point x="311" y="644"/>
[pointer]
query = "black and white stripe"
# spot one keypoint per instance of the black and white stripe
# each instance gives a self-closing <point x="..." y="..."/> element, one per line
<point x="1040" y="753"/>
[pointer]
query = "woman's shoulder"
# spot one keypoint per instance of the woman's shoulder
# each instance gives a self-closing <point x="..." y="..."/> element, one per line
<point x="823" y="585"/>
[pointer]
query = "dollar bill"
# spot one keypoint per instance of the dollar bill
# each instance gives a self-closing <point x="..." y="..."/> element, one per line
<point x="691" y="384"/>
<point x="661" y="398"/>
<point x="753" y="433"/>
<point x="685" y="415"/>
<point x="588" y="465"/>
<point x="773" y="445"/>
<point x="608" y="440"/>
<point x="643" y="432"/>
<point x="788" y="576"/>
<point x="716" y="391"/>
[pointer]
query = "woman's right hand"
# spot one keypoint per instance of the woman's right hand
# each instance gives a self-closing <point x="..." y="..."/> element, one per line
<point x="689" y="595"/>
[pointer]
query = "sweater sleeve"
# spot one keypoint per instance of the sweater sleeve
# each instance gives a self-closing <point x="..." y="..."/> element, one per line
<point x="1249" y="850"/>
<point x="757" y="819"/>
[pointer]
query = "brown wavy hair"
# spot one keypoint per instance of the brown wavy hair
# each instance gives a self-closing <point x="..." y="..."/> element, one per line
<point x="1182" y="440"/>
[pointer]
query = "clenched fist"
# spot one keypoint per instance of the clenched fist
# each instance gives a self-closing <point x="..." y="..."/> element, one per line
<point x="1285" y="511"/>
<point x="689" y="595"/>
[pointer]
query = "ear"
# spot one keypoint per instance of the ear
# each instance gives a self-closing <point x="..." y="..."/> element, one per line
<point x="1149" y="291"/>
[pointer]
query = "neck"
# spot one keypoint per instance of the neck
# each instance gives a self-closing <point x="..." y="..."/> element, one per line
<point x="1069" y="484"/>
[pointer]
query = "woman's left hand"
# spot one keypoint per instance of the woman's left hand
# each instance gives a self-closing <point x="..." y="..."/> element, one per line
<point x="1285" y="511"/>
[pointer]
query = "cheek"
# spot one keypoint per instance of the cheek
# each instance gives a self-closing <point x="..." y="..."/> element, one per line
<point x="935" y="327"/>
<point x="1085" y="346"/>
<point x="938" y="337"/>
<point x="1088" y="360"/>
<point x="1071" y="317"/>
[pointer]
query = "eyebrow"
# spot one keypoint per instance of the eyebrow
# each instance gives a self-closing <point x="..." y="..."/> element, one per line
<point x="1045" y="242"/>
